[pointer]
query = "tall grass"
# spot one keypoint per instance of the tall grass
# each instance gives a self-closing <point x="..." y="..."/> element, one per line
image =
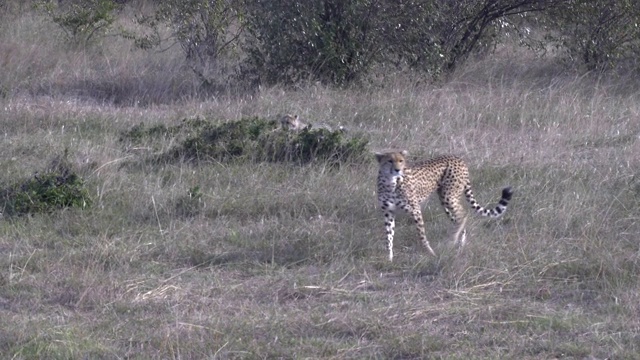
<point x="276" y="260"/>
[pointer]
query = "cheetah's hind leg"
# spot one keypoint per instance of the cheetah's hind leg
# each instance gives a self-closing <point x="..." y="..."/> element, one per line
<point x="460" y="237"/>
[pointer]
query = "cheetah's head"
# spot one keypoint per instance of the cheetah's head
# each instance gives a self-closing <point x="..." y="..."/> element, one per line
<point x="392" y="163"/>
<point x="290" y="122"/>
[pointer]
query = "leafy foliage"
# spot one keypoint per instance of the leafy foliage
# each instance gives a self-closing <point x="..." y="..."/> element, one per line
<point x="312" y="144"/>
<point x="467" y="27"/>
<point x="333" y="41"/>
<point x="141" y="133"/>
<point x="342" y="41"/>
<point x="254" y="139"/>
<point x="59" y="187"/>
<point x="81" y="21"/>
<point x="596" y="34"/>
<point x="227" y="141"/>
<point x="208" y="31"/>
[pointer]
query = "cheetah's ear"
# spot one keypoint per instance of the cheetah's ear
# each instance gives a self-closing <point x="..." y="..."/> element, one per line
<point x="404" y="152"/>
<point x="379" y="156"/>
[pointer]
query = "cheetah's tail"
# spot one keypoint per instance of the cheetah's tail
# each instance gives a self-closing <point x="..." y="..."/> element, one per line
<point x="495" y="212"/>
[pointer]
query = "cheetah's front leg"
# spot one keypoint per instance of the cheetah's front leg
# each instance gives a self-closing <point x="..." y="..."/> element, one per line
<point x="389" y="224"/>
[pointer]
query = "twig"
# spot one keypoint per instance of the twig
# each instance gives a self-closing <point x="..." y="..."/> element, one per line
<point x="155" y="210"/>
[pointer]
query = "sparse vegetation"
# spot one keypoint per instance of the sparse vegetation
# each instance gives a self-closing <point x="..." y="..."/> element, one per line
<point x="242" y="258"/>
<point x="253" y="139"/>
<point x="81" y="21"/>
<point x="57" y="187"/>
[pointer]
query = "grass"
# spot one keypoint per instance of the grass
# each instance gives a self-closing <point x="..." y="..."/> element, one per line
<point x="276" y="260"/>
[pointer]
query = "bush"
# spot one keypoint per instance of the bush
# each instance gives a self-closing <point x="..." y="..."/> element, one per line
<point x="59" y="187"/>
<point x="81" y="21"/>
<point x="254" y="139"/>
<point x="598" y="35"/>
<point x="139" y="134"/>
<point x="309" y="145"/>
<point x="341" y="41"/>
<point x="224" y="142"/>
<point x="208" y="32"/>
<point x="332" y="41"/>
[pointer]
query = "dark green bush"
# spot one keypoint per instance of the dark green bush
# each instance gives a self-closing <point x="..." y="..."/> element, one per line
<point x="597" y="35"/>
<point x="312" y="144"/>
<point x="332" y="41"/>
<point x="253" y="139"/>
<point x="59" y="187"/>
<point x="340" y="42"/>
<point x="140" y="133"/>
<point x="230" y="140"/>
<point x="209" y="33"/>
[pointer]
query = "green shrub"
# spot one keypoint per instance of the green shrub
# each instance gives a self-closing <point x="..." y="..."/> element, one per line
<point x="81" y="21"/>
<point x="140" y="133"/>
<point x="230" y="140"/>
<point x="331" y="41"/>
<point x="256" y="139"/>
<point x="310" y="145"/>
<point x="342" y="41"/>
<point x="209" y="33"/>
<point x="253" y="139"/>
<point x="598" y="35"/>
<point x="59" y="187"/>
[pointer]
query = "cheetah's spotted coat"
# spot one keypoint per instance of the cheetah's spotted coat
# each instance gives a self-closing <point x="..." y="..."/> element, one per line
<point x="406" y="187"/>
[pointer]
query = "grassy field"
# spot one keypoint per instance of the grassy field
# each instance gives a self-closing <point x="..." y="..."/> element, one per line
<point x="283" y="261"/>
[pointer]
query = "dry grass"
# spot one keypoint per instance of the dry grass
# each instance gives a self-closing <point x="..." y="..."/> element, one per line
<point x="278" y="261"/>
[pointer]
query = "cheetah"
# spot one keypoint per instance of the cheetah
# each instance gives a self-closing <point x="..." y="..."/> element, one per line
<point x="406" y="187"/>
<point x="291" y="123"/>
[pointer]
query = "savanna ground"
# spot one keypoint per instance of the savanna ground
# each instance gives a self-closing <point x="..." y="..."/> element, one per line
<point x="284" y="261"/>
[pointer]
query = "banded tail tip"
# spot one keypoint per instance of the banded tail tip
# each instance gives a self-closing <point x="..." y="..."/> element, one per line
<point x="507" y="193"/>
